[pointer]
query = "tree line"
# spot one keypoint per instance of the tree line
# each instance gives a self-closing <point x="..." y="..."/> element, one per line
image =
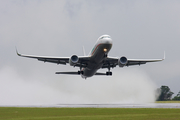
<point x="165" y="94"/>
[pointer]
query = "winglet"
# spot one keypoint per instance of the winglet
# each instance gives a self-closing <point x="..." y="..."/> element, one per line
<point x="17" y="52"/>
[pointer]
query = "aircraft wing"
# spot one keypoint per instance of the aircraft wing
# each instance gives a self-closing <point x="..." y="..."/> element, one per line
<point x="57" y="60"/>
<point x="113" y="61"/>
<point x="83" y="60"/>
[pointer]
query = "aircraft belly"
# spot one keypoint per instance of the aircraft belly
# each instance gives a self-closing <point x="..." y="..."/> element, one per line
<point x="89" y="73"/>
<point x="96" y="60"/>
<point x="91" y="69"/>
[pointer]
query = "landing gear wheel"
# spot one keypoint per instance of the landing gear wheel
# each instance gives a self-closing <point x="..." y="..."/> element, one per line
<point x="109" y="73"/>
<point x="80" y="72"/>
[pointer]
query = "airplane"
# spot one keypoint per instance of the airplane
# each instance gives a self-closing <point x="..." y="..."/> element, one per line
<point x="98" y="58"/>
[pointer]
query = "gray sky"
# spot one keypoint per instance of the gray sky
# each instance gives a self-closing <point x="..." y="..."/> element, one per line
<point x="139" y="29"/>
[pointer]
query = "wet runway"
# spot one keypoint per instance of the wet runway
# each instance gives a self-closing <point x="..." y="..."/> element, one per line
<point x="144" y="105"/>
<point x="147" y="105"/>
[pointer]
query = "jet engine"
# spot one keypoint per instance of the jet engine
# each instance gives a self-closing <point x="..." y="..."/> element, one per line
<point x="73" y="60"/>
<point x="122" y="61"/>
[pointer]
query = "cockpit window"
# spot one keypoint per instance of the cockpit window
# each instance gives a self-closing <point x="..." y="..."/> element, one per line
<point x="102" y="37"/>
<point x="105" y="37"/>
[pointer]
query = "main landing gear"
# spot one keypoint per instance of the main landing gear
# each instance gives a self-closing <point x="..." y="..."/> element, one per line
<point x="81" y="72"/>
<point x="109" y="72"/>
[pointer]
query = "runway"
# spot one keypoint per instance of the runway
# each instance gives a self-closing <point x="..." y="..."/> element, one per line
<point x="144" y="105"/>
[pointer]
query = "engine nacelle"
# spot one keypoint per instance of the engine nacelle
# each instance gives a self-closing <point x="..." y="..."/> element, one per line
<point x="122" y="61"/>
<point x="73" y="60"/>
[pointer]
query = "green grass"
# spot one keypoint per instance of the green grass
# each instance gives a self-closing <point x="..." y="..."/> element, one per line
<point x="8" y="113"/>
<point x="167" y="101"/>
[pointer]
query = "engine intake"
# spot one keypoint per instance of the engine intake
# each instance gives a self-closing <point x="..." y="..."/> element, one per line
<point x="73" y="60"/>
<point x="122" y="61"/>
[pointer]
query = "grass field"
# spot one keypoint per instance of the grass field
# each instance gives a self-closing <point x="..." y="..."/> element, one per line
<point x="8" y="113"/>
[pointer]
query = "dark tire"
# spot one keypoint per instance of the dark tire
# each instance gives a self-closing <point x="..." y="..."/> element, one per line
<point x="110" y="73"/>
<point x="82" y="72"/>
<point x="107" y="73"/>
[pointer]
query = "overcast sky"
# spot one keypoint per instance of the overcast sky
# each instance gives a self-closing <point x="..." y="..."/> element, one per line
<point x="139" y="29"/>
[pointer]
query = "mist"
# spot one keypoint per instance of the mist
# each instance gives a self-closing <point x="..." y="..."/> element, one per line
<point x="139" y="29"/>
<point x="125" y="86"/>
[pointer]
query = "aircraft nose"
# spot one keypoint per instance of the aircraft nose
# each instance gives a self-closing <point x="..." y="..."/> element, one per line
<point x="107" y="40"/>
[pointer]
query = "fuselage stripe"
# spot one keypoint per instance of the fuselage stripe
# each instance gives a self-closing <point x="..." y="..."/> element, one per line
<point x="94" y="49"/>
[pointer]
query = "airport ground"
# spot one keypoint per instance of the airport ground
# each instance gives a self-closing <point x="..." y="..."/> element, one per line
<point x="56" y="113"/>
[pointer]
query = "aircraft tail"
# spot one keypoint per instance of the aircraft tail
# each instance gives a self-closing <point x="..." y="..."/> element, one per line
<point x="84" y="51"/>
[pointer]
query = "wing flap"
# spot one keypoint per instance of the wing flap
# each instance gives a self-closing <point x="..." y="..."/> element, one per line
<point x="57" y="61"/>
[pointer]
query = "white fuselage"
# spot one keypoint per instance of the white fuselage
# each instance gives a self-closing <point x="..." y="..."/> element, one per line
<point x="97" y="56"/>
